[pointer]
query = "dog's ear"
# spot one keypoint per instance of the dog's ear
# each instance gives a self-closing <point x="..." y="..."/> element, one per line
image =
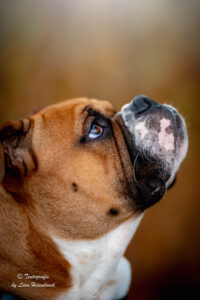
<point x="16" y="155"/>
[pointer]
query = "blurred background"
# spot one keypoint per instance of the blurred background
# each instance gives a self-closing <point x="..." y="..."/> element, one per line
<point x="115" y="50"/>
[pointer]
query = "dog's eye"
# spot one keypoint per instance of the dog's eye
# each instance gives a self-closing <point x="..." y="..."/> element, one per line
<point x="95" y="131"/>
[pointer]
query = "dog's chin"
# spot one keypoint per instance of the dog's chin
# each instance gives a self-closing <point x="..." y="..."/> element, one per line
<point x="156" y="154"/>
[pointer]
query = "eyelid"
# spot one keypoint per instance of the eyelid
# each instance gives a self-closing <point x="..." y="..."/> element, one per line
<point x="92" y="112"/>
<point x="101" y="122"/>
<point x="98" y="116"/>
<point x="89" y="120"/>
<point x="94" y="116"/>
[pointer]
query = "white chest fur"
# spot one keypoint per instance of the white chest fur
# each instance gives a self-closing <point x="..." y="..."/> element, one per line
<point x="95" y="263"/>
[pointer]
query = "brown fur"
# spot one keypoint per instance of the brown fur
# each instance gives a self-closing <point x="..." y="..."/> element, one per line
<point x="40" y="161"/>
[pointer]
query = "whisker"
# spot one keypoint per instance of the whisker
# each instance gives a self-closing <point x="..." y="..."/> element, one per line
<point x="145" y="155"/>
<point x="134" y="164"/>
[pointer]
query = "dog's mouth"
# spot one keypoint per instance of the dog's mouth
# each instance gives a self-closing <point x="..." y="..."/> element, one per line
<point x="157" y="142"/>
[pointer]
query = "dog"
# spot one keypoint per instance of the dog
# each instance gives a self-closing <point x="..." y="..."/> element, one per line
<point x="76" y="178"/>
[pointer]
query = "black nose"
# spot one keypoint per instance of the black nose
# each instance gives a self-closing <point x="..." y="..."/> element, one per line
<point x="141" y="103"/>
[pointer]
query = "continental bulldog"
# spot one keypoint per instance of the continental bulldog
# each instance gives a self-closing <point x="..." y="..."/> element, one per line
<point x="75" y="180"/>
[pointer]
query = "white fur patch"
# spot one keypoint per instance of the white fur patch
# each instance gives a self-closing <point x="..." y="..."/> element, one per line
<point x="98" y="269"/>
<point x="166" y="140"/>
<point x="141" y="128"/>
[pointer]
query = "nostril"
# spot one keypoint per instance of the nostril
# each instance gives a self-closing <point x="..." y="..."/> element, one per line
<point x="141" y="103"/>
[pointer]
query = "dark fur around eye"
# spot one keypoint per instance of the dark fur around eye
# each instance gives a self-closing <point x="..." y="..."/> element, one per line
<point x="99" y="120"/>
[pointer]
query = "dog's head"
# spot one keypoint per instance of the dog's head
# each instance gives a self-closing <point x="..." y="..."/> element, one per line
<point x="82" y="169"/>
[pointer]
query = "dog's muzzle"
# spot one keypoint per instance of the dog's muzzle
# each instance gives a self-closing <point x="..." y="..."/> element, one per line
<point x="157" y="141"/>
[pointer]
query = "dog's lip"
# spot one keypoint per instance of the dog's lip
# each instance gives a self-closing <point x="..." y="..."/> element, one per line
<point x="144" y="202"/>
<point x="141" y="198"/>
<point x="127" y="136"/>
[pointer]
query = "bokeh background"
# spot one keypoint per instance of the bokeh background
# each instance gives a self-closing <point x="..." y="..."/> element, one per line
<point x="115" y="50"/>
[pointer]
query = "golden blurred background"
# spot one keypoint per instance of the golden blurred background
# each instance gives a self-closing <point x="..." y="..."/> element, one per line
<point x="116" y="49"/>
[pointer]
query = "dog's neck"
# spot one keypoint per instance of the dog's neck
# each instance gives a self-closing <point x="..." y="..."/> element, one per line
<point x="87" y="257"/>
<point x="93" y="261"/>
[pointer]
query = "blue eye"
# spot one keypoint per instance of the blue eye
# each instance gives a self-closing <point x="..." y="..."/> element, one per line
<point x="95" y="131"/>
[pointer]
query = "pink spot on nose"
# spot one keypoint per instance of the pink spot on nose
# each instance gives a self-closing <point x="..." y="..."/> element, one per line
<point x="166" y="140"/>
<point x="141" y="128"/>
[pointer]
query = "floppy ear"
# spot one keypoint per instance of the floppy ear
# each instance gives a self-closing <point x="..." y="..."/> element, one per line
<point x="17" y="158"/>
